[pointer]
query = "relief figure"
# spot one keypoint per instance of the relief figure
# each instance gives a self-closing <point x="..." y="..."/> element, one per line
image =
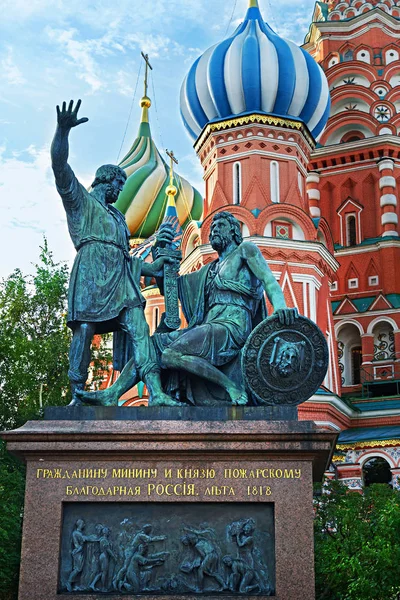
<point x="106" y="552"/>
<point x="204" y="559"/>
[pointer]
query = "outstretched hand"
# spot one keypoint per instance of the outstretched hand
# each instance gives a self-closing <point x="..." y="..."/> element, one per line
<point x="158" y="264"/>
<point x="287" y="316"/>
<point x="165" y="235"/>
<point x="68" y="117"/>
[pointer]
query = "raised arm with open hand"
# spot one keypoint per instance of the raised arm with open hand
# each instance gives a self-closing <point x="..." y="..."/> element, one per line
<point x="68" y="117"/>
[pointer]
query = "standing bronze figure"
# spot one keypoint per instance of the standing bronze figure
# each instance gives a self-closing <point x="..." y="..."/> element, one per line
<point x="104" y="292"/>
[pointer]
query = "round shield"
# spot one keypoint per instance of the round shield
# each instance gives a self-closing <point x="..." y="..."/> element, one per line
<point x="285" y="364"/>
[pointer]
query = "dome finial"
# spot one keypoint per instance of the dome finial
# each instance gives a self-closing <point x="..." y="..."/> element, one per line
<point x="253" y="4"/>
<point x="145" y="102"/>
<point x="171" y="189"/>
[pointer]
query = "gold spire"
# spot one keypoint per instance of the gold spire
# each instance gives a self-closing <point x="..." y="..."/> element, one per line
<point x="145" y="102"/>
<point x="253" y="4"/>
<point x="171" y="189"/>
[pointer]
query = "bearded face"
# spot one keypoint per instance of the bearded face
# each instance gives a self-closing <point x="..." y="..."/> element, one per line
<point x="112" y="193"/>
<point x="220" y="235"/>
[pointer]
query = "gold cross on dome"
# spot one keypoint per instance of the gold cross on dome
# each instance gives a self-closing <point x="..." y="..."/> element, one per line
<point x="146" y="74"/>
<point x="173" y="160"/>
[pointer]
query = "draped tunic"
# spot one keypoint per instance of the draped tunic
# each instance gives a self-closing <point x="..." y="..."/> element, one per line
<point x="104" y="278"/>
<point x="221" y="314"/>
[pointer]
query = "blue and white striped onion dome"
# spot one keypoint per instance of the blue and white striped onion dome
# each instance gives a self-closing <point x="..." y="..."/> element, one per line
<point x="255" y="70"/>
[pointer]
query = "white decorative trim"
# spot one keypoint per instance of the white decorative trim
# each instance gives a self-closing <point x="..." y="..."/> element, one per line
<point x="264" y="242"/>
<point x="328" y="424"/>
<point x="373" y="280"/>
<point x="387" y="181"/>
<point x="270" y="155"/>
<point x="328" y="29"/>
<point x="368" y="313"/>
<point x="374" y="453"/>
<point x="335" y="401"/>
<point x="331" y="150"/>
<point x="315" y="211"/>
<point x="353" y="203"/>
<point x="312" y="178"/>
<point x="386" y="164"/>
<point x="389" y="217"/>
<point x="301" y="277"/>
<point x="388" y="199"/>
<point x="314" y="194"/>
<point x="380" y="320"/>
<point x="274" y="182"/>
<point x="390" y="234"/>
<point x="237" y="182"/>
<point x="366" y="249"/>
<point x="339" y="326"/>
<point x="353" y="283"/>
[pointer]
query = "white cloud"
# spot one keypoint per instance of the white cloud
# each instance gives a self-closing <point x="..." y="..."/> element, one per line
<point x="30" y="208"/>
<point x="122" y="83"/>
<point x="91" y="57"/>
<point x="80" y="55"/>
<point x="10" y="73"/>
<point x="191" y="169"/>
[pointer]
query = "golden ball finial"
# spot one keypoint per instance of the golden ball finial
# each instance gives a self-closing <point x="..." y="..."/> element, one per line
<point x="145" y="102"/>
<point x="171" y="190"/>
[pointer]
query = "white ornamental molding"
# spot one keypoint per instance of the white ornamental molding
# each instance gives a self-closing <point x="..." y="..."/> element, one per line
<point x="389" y="217"/>
<point x="388" y="200"/>
<point x="386" y="164"/>
<point x="313" y="178"/>
<point x="314" y="194"/>
<point x="387" y="181"/>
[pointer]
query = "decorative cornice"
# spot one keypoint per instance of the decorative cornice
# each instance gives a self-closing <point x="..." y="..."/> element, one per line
<point x="337" y="458"/>
<point x="355" y="148"/>
<point x="302" y="245"/>
<point x="253" y="118"/>
<point x="373" y="247"/>
<point x="153" y="291"/>
<point x="370" y="444"/>
<point x="324" y="27"/>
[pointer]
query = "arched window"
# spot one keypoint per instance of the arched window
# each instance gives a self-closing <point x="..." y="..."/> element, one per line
<point x="376" y="470"/>
<point x="237" y="183"/>
<point x="351" y="231"/>
<point x="384" y="348"/>
<point x="364" y="56"/>
<point x="274" y="182"/>
<point x="156" y="317"/>
<point x="356" y="360"/>
<point x="300" y="182"/>
<point x="349" y="354"/>
<point x="348" y="55"/>
<point x="352" y="136"/>
<point x="391" y="55"/>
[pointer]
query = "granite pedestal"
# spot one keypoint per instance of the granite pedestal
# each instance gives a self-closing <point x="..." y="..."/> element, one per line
<point x="118" y="468"/>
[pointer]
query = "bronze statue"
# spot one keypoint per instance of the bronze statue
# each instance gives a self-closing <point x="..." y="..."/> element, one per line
<point x="222" y="303"/>
<point x="104" y="292"/>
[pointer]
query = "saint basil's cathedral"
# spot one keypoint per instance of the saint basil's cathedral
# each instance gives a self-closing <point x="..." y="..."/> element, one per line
<point x="302" y="146"/>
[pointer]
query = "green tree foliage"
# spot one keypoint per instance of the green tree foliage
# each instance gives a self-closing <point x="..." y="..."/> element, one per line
<point x="357" y="543"/>
<point x="34" y="341"/>
<point x="12" y="486"/>
<point x="34" y="344"/>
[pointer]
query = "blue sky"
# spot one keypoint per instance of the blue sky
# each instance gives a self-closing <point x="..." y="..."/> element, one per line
<point x="56" y="50"/>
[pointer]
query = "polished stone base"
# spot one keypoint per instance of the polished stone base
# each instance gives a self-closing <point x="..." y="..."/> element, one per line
<point x="171" y="413"/>
<point x="169" y="473"/>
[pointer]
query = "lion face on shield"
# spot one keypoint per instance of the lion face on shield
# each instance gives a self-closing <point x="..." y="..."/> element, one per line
<point x="287" y="357"/>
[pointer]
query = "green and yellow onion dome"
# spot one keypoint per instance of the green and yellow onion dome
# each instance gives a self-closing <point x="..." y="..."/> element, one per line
<point x="143" y="199"/>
